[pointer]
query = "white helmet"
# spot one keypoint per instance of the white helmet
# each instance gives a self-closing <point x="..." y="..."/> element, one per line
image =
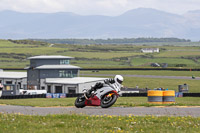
<point x="118" y="82"/>
<point x="118" y="79"/>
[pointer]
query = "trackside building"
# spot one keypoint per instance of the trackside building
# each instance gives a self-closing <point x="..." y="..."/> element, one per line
<point x="56" y="75"/>
<point x="51" y="73"/>
<point x="12" y="82"/>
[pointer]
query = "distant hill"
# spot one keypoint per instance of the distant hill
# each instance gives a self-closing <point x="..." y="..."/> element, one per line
<point x="141" y="22"/>
<point x="149" y="41"/>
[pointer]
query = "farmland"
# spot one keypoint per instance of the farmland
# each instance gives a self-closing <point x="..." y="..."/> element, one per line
<point x="14" y="54"/>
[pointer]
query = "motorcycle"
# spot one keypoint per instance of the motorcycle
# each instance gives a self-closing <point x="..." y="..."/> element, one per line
<point x="104" y="97"/>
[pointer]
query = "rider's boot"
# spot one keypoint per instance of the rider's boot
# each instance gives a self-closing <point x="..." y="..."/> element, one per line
<point x="87" y="94"/>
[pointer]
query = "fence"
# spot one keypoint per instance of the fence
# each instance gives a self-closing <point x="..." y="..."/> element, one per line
<point x="191" y="94"/>
<point x="24" y="96"/>
<point x="79" y="94"/>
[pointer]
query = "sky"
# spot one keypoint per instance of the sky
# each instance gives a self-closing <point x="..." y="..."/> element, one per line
<point x="98" y="7"/>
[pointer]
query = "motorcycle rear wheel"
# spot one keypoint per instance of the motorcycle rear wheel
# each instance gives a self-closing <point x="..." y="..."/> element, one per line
<point x="108" y="101"/>
<point x="80" y="102"/>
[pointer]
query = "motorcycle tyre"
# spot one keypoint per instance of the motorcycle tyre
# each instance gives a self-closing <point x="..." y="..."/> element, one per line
<point x="114" y="99"/>
<point x="79" y="104"/>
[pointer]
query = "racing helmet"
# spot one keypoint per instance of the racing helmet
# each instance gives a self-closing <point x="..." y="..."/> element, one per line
<point x="118" y="79"/>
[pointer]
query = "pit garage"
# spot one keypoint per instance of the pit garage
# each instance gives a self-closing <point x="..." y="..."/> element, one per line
<point x="12" y="82"/>
<point x="70" y="85"/>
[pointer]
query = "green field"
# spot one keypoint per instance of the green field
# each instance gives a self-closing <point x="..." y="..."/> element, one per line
<point x="172" y="62"/>
<point x="147" y="72"/>
<point x="100" y="124"/>
<point x="152" y="83"/>
<point x="122" y="101"/>
<point x="186" y="53"/>
<point x="14" y="55"/>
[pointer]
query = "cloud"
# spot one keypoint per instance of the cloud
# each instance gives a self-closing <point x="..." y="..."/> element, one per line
<point x="101" y="7"/>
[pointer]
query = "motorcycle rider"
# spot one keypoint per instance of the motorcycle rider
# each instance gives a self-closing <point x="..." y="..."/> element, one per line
<point x="115" y="83"/>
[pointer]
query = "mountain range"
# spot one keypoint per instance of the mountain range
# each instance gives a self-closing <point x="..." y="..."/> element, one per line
<point x="141" y="22"/>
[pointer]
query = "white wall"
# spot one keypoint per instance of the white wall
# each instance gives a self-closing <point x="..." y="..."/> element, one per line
<point x="79" y="87"/>
<point x="86" y="86"/>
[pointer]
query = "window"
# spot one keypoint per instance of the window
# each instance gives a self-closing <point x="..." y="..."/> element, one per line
<point x="58" y="89"/>
<point x="8" y="82"/>
<point x="8" y="87"/>
<point x="66" y="74"/>
<point x="62" y="62"/>
<point x="62" y="74"/>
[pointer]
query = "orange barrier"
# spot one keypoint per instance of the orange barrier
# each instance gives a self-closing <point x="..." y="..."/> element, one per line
<point x="161" y="97"/>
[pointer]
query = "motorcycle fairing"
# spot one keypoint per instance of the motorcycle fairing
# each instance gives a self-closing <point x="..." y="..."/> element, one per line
<point x="101" y="92"/>
<point x="93" y="101"/>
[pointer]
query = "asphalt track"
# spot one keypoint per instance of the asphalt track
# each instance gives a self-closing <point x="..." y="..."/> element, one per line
<point x="119" y="111"/>
<point x="147" y="76"/>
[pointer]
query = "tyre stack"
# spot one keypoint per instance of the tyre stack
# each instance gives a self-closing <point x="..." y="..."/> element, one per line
<point x="168" y="97"/>
<point x="155" y="96"/>
<point x="161" y="97"/>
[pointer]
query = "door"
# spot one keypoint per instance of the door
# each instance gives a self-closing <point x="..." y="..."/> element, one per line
<point x="48" y="89"/>
<point x="58" y="89"/>
<point x="71" y="90"/>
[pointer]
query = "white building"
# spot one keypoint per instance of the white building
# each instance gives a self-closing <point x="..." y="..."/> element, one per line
<point x="51" y="73"/>
<point x="150" y="50"/>
<point x="12" y="82"/>
<point x="70" y="85"/>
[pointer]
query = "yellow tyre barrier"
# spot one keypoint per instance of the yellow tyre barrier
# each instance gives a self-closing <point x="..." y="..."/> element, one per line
<point x="168" y="97"/>
<point x="155" y="96"/>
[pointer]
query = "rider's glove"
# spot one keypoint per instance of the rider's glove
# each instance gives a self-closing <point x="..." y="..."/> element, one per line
<point x="109" y="81"/>
<point x="98" y="85"/>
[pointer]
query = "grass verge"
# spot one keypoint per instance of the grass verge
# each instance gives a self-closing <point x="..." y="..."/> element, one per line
<point x="100" y="124"/>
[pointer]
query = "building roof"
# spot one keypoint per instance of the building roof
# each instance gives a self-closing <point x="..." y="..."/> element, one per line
<point x="13" y="75"/>
<point x="50" y="57"/>
<point x="76" y="80"/>
<point x="57" y="67"/>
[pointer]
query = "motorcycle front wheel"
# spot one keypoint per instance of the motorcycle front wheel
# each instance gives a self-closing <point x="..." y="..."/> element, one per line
<point x="108" y="101"/>
<point x="80" y="102"/>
